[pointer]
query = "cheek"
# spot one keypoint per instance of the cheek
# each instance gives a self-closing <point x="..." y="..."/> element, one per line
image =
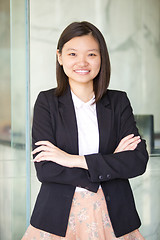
<point x="67" y="64"/>
<point x="66" y="67"/>
<point x="97" y="65"/>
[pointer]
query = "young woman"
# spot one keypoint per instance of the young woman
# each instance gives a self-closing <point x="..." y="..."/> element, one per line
<point x="86" y="146"/>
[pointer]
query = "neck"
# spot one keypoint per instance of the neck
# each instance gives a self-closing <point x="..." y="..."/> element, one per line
<point x="83" y="91"/>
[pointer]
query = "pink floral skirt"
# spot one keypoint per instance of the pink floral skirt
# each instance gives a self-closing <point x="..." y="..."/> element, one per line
<point x="89" y="220"/>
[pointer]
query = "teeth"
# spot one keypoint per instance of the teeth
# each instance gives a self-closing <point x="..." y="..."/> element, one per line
<point x="81" y="71"/>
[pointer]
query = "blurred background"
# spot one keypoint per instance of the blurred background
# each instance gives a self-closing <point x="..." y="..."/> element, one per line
<point x="28" y="37"/>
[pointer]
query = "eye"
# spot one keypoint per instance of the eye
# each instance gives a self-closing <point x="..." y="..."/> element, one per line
<point x="72" y="54"/>
<point x="92" y="55"/>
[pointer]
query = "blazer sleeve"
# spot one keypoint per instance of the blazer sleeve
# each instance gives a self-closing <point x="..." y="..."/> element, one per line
<point x="43" y="128"/>
<point x="126" y="164"/>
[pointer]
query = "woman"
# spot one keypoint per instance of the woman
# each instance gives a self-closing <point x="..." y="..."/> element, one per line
<point x="85" y="146"/>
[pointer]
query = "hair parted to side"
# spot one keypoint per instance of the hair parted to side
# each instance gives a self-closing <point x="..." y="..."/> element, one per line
<point x="101" y="81"/>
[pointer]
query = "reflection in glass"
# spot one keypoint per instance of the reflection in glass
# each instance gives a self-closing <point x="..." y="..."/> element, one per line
<point x="13" y="203"/>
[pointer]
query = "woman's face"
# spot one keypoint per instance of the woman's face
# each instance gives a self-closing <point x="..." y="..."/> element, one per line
<point x="81" y="60"/>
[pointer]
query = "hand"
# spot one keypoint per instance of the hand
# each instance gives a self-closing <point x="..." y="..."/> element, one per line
<point x="49" y="152"/>
<point x="129" y="142"/>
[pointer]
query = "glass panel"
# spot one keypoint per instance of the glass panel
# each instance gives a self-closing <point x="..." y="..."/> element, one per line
<point x="5" y="123"/>
<point x="13" y="119"/>
<point x="5" y="99"/>
<point x="20" y="116"/>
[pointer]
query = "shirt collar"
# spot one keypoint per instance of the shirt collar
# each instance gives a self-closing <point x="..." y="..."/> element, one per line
<point x="78" y="103"/>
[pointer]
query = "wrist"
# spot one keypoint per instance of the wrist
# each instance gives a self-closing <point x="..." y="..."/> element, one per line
<point x="79" y="161"/>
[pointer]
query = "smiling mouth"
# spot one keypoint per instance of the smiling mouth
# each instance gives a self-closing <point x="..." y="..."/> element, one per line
<point x="82" y="71"/>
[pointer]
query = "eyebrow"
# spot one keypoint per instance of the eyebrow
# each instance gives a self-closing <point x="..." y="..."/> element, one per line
<point x="71" y="49"/>
<point x="94" y="49"/>
<point x="90" y="50"/>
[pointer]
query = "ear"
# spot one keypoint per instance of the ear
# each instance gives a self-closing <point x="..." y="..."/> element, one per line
<point x="59" y="57"/>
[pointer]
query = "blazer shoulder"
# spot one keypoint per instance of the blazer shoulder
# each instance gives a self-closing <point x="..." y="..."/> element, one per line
<point x="47" y="95"/>
<point x="114" y="96"/>
<point x="115" y="99"/>
<point x="46" y="99"/>
<point x="115" y="93"/>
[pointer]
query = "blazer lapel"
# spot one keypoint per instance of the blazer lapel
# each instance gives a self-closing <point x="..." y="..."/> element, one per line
<point x="68" y="116"/>
<point x="104" y="123"/>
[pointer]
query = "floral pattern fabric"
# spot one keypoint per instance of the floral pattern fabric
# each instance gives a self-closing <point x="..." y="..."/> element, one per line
<point x="89" y="220"/>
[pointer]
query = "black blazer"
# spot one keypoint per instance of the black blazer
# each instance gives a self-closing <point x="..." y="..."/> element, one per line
<point x="54" y="120"/>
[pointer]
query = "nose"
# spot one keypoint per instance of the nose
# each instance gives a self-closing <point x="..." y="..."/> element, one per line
<point x="82" y="61"/>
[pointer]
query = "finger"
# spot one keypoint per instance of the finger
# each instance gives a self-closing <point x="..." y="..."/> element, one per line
<point x="44" y="155"/>
<point x="132" y="140"/>
<point x="124" y="145"/>
<point x="42" y="148"/>
<point x="123" y="140"/>
<point x="133" y="145"/>
<point x="127" y="137"/>
<point x="46" y="158"/>
<point x="43" y="159"/>
<point x="129" y="141"/>
<point x="46" y="143"/>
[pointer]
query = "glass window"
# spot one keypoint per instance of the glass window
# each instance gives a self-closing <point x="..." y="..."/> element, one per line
<point x="14" y="120"/>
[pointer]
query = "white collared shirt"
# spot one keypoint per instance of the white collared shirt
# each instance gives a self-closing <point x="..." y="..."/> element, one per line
<point x="88" y="133"/>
